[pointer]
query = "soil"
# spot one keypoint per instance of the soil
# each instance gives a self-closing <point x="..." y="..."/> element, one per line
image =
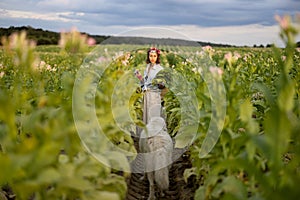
<point x="138" y="187"/>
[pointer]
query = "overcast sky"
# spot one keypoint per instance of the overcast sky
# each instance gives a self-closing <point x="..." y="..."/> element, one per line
<point x="237" y="22"/>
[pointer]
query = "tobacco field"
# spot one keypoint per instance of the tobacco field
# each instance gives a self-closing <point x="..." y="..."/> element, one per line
<point x="68" y="115"/>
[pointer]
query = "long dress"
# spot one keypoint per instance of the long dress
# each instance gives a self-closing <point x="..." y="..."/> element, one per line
<point x="156" y="145"/>
<point x="156" y="151"/>
<point x="152" y="105"/>
<point x="152" y="98"/>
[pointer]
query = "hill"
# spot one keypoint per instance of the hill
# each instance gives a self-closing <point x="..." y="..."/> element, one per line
<point x="45" y="37"/>
<point x="161" y="41"/>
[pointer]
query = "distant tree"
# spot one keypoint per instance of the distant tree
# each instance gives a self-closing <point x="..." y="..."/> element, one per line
<point x="42" y="37"/>
<point x="270" y="45"/>
<point x="44" y="41"/>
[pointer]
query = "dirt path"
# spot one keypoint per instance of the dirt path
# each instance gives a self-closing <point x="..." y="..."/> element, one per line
<point x="179" y="189"/>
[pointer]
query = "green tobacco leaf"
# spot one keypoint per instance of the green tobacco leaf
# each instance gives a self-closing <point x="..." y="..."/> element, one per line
<point x="212" y="180"/>
<point x="256" y="197"/>
<point x="278" y="129"/>
<point x="88" y="170"/>
<point x="48" y="176"/>
<point x="185" y="136"/>
<point x="286" y="97"/>
<point x="232" y="186"/>
<point x="118" y="160"/>
<point x="266" y="91"/>
<point x="63" y="159"/>
<point x="76" y="183"/>
<point x="102" y="159"/>
<point x="251" y="149"/>
<point x="99" y="195"/>
<point x="189" y="172"/>
<point x="114" y="183"/>
<point x="253" y="126"/>
<point x="7" y="112"/>
<point x="246" y="111"/>
<point x="6" y="169"/>
<point x="200" y="193"/>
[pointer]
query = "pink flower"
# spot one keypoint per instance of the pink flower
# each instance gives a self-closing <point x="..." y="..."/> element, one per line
<point x="125" y="60"/>
<point x="228" y="56"/>
<point x="102" y="59"/>
<point x="207" y="48"/>
<point x="48" y="67"/>
<point x="236" y="55"/>
<point x="1" y="74"/>
<point x="232" y="58"/>
<point x="42" y="63"/>
<point x="216" y="71"/>
<point x="91" y="41"/>
<point x="283" y="21"/>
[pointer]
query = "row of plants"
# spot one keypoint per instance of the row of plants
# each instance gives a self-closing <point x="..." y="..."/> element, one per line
<point x="238" y="110"/>
<point x="41" y="154"/>
<point x="257" y="154"/>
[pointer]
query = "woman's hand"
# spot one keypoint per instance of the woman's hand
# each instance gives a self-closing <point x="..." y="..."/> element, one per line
<point x="138" y="75"/>
<point x="161" y="85"/>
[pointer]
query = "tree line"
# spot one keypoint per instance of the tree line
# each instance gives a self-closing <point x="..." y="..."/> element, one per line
<point x="45" y="37"/>
<point x="42" y="37"/>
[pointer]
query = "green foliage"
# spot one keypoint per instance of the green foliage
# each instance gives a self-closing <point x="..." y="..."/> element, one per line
<point x="41" y="155"/>
<point x="74" y="42"/>
<point x="255" y="156"/>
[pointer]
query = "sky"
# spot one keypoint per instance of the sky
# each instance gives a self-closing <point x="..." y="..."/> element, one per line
<point x="235" y="22"/>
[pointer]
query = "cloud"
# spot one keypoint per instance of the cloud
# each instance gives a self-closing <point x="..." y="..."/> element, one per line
<point x="63" y="16"/>
<point x="238" y="20"/>
<point x="234" y="35"/>
<point x="168" y="12"/>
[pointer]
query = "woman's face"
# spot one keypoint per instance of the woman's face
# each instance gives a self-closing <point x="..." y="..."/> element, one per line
<point x="153" y="57"/>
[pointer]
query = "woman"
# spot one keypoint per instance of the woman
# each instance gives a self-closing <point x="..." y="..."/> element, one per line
<point x="152" y="68"/>
<point x="156" y="145"/>
<point x="152" y="95"/>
